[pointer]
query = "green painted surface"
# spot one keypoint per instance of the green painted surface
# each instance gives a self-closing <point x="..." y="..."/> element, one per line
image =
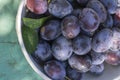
<point x="13" y="65"/>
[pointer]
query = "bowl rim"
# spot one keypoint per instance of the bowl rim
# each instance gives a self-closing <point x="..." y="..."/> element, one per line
<point x="22" y="46"/>
<point x="29" y="59"/>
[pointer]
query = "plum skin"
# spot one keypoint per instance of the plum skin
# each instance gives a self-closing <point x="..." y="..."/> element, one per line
<point x="37" y="6"/>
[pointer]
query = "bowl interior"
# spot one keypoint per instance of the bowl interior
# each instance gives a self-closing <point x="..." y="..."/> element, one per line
<point x="36" y="67"/>
<point x="110" y="72"/>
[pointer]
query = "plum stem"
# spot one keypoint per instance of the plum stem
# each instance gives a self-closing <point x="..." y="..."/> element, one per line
<point x="67" y="78"/>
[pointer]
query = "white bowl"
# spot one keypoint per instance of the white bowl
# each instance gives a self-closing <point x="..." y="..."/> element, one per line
<point x="110" y="73"/>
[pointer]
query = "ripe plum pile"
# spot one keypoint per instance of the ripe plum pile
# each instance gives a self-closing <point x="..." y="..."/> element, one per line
<point x="80" y="36"/>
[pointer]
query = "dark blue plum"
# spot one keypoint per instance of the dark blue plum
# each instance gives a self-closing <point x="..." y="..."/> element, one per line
<point x="116" y="21"/>
<point x="37" y="6"/>
<point x="71" y="1"/>
<point x="117" y="13"/>
<point x="97" y="58"/>
<point x="51" y="30"/>
<point x="62" y="48"/>
<point x="97" y="69"/>
<point x="43" y="51"/>
<point x="89" y="34"/>
<point x="65" y="63"/>
<point x="102" y="41"/>
<point x="110" y="5"/>
<point x="81" y="45"/>
<point x="90" y="20"/>
<point x="118" y="3"/>
<point x="73" y="74"/>
<point x="109" y="22"/>
<point x="60" y="8"/>
<point x="77" y="12"/>
<point x="55" y="70"/>
<point x="70" y="27"/>
<point x="80" y="63"/>
<point x="82" y="2"/>
<point x="99" y="8"/>
<point x="112" y="57"/>
<point x="116" y="39"/>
